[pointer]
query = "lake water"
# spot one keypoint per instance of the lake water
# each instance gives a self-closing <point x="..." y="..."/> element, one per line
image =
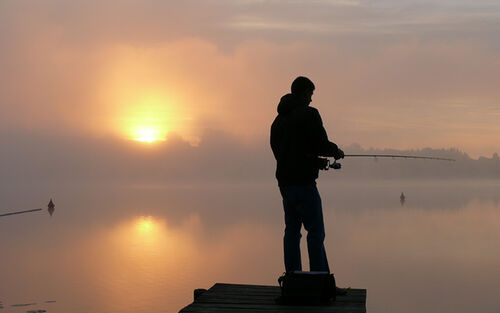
<point x="145" y="248"/>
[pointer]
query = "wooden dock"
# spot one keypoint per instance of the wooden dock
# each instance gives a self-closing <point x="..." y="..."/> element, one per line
<point x="253" y="298"/>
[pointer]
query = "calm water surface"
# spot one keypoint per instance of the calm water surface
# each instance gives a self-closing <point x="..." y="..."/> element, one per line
<point x="145" y="248"/>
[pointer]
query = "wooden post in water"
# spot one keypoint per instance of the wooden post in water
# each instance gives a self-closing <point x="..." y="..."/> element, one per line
<point x="19" y="212"/>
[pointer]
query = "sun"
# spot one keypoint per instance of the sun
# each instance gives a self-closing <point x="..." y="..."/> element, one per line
<point x="141" y="106"/>
<point x="147" y="134"/>
<point x="149" y="119"/>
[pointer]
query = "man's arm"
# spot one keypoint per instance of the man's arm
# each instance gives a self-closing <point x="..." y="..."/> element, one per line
<point x="323" y="146"/>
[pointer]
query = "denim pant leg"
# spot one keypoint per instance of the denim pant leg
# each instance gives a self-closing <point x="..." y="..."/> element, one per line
<point x="312" y="217"/>
<point x="293" y="224"/>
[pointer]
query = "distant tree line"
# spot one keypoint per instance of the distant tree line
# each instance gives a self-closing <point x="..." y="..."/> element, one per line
<point x="464" y="166"/>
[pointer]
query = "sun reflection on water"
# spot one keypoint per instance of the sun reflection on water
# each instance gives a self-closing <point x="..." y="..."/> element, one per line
<point x="146" y="238"/>
<point x="138" y="259"/>
<point x="145" y="225"/>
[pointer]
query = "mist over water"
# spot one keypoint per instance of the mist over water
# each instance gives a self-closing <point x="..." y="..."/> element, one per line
<point x="144" y="248"/>
<point x="148" y="125"/>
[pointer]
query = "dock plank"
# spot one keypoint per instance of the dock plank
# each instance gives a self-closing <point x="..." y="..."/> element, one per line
<point x="206" y="307"/>
<point x="240" y="298"/>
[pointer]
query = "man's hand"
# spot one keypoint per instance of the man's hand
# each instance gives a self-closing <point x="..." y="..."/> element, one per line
<point x="322" y="163"/>
<point x="339" y="154"/>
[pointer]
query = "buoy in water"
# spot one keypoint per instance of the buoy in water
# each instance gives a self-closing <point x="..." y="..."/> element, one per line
<point x="51" y="207"/>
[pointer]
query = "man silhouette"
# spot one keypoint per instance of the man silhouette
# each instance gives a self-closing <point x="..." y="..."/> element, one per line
<point x="298" y="138"/>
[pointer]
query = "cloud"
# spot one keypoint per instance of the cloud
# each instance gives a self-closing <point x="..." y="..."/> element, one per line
<point x="86" y="68"/>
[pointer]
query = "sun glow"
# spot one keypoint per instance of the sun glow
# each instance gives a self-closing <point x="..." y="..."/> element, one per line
<point x="142" y="104"/>
<point x="145" y="225"/>
<point x="149" y="119"/>
<point x="146" y="134"/>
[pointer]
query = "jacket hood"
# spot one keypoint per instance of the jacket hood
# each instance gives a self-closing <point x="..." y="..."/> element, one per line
<point x="287" y="104"/>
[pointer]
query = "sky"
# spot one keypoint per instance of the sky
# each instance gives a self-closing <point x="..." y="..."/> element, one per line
<point x="388" y="74"/>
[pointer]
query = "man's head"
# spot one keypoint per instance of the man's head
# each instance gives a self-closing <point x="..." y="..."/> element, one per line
<point x="303" y="88"/>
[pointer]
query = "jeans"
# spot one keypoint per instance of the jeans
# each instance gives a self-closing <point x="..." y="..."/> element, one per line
<point x="302" y="205"/>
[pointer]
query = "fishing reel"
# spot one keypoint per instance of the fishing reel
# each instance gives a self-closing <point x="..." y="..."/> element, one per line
<point x="325" y="164"/>
<point x="335" y="165"/>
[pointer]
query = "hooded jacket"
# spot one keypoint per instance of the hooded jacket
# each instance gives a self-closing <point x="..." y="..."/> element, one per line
<point x="297" y="139"/>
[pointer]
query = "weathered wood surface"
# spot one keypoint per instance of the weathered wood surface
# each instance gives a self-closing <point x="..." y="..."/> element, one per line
<point x="253" y="298"/>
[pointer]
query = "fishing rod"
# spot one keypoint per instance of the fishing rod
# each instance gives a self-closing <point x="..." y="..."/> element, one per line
<point x="397" y="156"/>
<point x="326" y="164"/>
<point x="50" y="208"/>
